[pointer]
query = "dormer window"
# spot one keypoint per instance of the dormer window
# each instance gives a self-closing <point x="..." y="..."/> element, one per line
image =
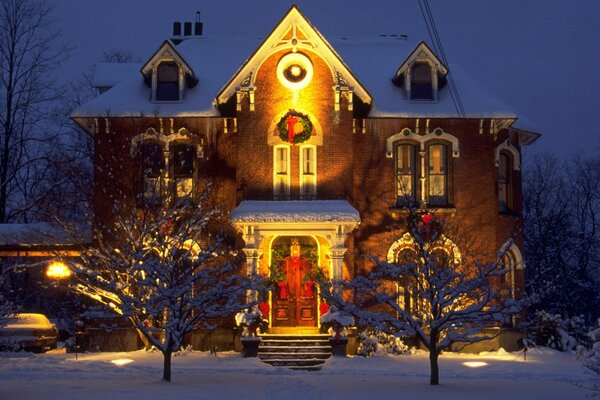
<point x="421" y="87"/>
<point x="167" y="81"/>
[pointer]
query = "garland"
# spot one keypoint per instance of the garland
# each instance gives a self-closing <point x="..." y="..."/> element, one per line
<point x="284" y="128"/>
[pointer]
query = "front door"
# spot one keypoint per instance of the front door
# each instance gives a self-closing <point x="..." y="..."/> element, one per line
<point x="295" y="299"/>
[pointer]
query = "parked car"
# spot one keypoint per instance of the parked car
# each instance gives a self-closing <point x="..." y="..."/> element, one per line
<point x="31" y="332"/>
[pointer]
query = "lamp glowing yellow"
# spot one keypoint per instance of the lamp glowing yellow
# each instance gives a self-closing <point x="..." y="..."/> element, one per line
<point x="121" y="361"/>
<point x="295" y="70"/>
<point x="58" y="270"/>
<point x="475" y="364"/>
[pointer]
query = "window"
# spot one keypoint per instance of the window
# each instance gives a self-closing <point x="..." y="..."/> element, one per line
<point x="505" y="184"/>
<point x="421" y="87"/>
<point x="405" y="174"/>
<point x="437" y="175"/>
<point x="281" y="172"/>
<point x="153" y="164"/>
<point x="167" y="82"/>
<point x="308" y="172"/>
<point x="183" y="169"/>
<point x="406" y="300"/>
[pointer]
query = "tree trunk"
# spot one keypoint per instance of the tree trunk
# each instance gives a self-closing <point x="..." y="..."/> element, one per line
<point x="167" y="365"/>
<point x="434" y="378"/>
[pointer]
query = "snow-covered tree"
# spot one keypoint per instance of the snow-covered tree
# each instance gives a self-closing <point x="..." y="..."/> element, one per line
<point x="591" y="357"/>
<point x="452" y="301"/>
<point x="163" y="270"/>
<point x="7" y="307"/>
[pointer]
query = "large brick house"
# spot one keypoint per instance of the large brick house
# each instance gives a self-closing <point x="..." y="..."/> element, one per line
<point x="312" y="140"/>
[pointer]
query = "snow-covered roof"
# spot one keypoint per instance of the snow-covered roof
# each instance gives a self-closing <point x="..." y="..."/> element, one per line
<point x="295" y="211"/>
<point x="40" y="234"/>
<point x="109" y="74"/>
<point x="373" y="60"/>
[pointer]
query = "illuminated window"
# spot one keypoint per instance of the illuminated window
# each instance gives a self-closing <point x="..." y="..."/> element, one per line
<point x="167" y="82"/>
<point x="505" y="183"/>
<point x="182" y="160"/>
<point x="405" y="288"/>
<point x="281" y="172"/>
<point x="308" y="172"/>
<point x="294" y="71"/>
<point x="153" y="163"/>
<point x="421" y="87"/>
<point x="405" y="174"/>
<point x="437" y="175"/>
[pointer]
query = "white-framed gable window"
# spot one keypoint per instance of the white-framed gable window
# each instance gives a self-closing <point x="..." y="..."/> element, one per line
<point x="281" y="172"/>
<point x="421" y="81"/>
<point x="167" y="81"/>
<point x="308" y="172"/>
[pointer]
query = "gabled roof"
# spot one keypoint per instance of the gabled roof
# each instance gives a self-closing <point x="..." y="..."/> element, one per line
<point x="294" y="32"/>
<point x="166" y="51"/>
<point x="420" y="53"/>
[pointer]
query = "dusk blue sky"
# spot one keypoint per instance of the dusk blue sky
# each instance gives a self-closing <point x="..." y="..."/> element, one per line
<point x="541" y="57"/>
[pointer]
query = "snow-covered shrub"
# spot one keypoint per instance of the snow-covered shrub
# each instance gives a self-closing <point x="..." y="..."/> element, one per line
<point x="555" y="332"/>
<point x="336" y="322"/>
<point x="378" y="343"/>
<point x="590" y="357"/>
<point x="251" y="320"/>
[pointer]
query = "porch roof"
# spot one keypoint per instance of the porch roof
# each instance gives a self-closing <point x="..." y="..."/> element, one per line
<point x="256" y="211"/>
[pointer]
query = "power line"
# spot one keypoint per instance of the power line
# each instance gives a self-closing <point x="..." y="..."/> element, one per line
<point x="439" y="49"/>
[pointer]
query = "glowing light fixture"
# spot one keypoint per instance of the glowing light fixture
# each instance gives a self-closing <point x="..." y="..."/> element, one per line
<point x="121" y="361"/>
<point x="295" y="249"/>
<point x="58" y="270"/>
<point x="475" y="364"/>
<point x="294" y="71"/>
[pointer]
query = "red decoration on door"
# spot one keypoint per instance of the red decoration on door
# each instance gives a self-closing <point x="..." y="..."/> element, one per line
<point x="291" y="122"/>
<point x="283" y="294"/>
<point x="308" y="288"/>
<point x="427" y="218"/>
<point x="323" y="308"/>
<point x="264" y="308"/>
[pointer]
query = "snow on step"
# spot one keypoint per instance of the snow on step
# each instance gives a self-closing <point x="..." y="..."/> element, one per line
<point x="306" y="352"/>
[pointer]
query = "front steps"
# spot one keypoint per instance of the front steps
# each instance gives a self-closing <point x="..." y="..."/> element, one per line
<point x="300" y="352"/>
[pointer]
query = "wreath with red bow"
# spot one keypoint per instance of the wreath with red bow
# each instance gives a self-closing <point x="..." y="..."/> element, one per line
<point x="295" y="127"/>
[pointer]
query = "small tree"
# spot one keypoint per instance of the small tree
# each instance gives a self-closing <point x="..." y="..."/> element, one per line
<point x="162" y="266"/>
<point x="451" y="301"/>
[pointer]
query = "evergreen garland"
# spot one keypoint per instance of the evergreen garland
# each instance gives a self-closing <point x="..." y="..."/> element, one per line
<point x="301" y="137"/>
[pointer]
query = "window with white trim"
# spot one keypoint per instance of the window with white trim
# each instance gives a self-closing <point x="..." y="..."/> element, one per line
<point x="421" y="87"/>
<point x="281" y="172"/>
<point x="167" y="81"/>
<point x="406" y="188"/>
<point x="183" y="156"/>
<point x="153" y="163"/>
<point x="437" y="174"/>
<point x="308" y="172"/>
<point x="505" y="183"/>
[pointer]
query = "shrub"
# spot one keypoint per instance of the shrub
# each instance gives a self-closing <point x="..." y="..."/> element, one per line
<point x="378" y="343"/>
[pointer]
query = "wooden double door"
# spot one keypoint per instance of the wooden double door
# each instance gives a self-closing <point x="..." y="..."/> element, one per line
<point x="295" y="299"/>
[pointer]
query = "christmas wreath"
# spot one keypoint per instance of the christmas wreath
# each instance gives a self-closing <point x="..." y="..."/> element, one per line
<point x="295" y="127"/>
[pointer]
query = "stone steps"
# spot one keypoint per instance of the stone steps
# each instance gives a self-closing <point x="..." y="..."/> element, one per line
<point x="301" y="352"/>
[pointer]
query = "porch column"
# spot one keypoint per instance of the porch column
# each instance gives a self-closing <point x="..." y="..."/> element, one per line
<point x="252" y="256"/>
<point x="337" y="256"/>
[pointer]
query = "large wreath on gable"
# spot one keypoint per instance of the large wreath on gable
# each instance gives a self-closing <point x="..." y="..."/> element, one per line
<point x="295" y="127"/>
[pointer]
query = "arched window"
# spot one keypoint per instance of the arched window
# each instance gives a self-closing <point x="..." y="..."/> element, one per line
<point x="437" y="174"/>
<point x="505" y="183"/>
<point x="281" y="172"/>
<point x="421" y="87"/>
<point x="182" y="159"/>
<point x="167" y="81"/>
<point x="308" y="172"/>
<point x="406" y="188"/>
<point x="405" y="295"/>
<point x="153" y="163"/>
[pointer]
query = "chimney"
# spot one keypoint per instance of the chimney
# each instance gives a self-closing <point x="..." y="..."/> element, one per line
<point x="176" y="28"/>
<point x="198" y="25"/>
<point x="187" y="29"/>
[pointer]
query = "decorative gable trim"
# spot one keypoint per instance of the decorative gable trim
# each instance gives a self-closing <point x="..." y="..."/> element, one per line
<point x="294" y="32"/>
<point x="166" y="52"/>
<point x="407" y="134"/>
<point x="421" y="53"/>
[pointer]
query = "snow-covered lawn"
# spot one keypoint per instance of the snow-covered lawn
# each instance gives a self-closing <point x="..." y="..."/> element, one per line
<point x="55" y="375"/>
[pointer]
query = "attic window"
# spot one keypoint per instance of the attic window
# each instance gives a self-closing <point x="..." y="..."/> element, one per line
<point x="167" y="82"/>
<point x="421" y="87"/>
<point x="294" y="71"/>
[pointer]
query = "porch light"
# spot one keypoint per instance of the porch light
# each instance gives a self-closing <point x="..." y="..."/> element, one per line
<point x="295" y="249"/>
<point x="58" y="270"/>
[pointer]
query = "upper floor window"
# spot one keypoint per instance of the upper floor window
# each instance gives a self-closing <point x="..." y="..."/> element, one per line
<point x="281" y="172"/>
<point x="405" y="174"/>
<point x="437" y="174"/>
<point x="308" y="172"/>
<point x="183" y="156"/>
<point x="153" y="163"/>
<point x="167" y="81"/>
<point x="421" y="87"/>
<point x="505" y="183"/>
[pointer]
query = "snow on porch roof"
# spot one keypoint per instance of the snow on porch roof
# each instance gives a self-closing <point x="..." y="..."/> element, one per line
<point x="40" y="234"/>
<point x="295" y="211"/>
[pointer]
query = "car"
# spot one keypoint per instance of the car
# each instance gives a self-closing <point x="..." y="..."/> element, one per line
<point x="28" y="331"/>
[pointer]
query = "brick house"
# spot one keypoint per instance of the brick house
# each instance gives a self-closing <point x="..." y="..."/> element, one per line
<point x="324" y="143"/>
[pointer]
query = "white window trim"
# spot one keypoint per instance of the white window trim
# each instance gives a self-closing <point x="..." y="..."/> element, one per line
<point x="180" y="77"/>
<point x="436" y="134"/>
<point x="301" y="169"/>
<point x="433" y="67"/>
<point x="275" y="175"/>
<point x="507" y="146"/>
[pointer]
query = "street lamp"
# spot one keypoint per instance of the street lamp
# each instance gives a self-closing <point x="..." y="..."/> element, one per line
<point x="58" y="270"/>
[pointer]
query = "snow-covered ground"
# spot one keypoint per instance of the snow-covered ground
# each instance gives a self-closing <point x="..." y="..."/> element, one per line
<point x="545" y="375"/>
